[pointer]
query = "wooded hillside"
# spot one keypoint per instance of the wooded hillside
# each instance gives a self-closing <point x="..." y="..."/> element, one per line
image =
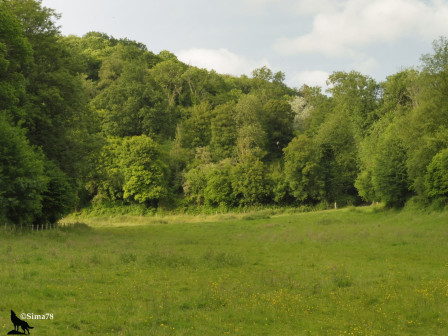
<point x="105" y="121"/>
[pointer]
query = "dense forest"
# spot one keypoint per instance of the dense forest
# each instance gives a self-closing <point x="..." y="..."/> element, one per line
<point x="103" y="122"/>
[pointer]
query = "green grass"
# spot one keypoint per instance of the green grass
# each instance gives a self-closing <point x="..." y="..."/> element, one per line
<point x="344" y="272"/>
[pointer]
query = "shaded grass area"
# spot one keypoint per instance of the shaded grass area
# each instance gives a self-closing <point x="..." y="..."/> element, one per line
<point x="345" y="272"/>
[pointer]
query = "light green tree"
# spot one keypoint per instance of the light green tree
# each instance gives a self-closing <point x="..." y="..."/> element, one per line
<point x="168" y="74"/>
<point x="144" y="171"/>
<point x="436" y="178"/>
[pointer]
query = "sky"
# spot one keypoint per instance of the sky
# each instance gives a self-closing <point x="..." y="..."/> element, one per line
<point x="306" y="39"/>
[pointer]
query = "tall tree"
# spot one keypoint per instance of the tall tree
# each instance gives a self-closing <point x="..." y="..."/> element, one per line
<point x="303" y="172"/>
<point x="279" y="125"/>
<point x="15" y="59"/>
<point x="22" y="177"/>
<point x="357" y="95"/>
<point x="168" y="74"/>
<point x="251" y="134"/>
<point x="223" y="132"/>
<point x="426" y="128"/>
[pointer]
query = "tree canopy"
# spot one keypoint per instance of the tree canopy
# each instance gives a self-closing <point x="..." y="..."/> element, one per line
<point x="92" y="119"/>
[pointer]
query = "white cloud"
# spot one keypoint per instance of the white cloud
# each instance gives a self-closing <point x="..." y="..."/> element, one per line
<point x="311" y="78"/>
<point x="312" y="7"/>
<point x="260" y="2"/>
<point x="221" y="60"/>
<point x="366" y="66"/>
<point x="343" y="31"/>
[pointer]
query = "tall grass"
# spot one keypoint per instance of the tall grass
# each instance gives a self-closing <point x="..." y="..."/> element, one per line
<point x="346" y="272"/>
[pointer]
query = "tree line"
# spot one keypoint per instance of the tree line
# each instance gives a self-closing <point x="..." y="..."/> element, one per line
<point x="96" y="120"/>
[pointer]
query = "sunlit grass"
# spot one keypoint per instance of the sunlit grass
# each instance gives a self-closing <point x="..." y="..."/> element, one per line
<point x="346" y="272"/>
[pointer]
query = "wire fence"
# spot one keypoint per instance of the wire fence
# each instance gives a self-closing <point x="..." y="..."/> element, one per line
<point x="12" y="228"/>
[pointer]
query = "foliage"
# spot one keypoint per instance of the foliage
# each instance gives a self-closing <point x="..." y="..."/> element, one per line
<point x="15" y="57"/>
<point x="109" y="120"/>
<point x="338" y="159"/>
<point x="223" y="132"/>
<point x="303" y="172"/>
<point x="59" y="197"/>
<point x="22" y="177"/>
<point x="389" y="177"/>
<point x="196" y="130"/>
<point x="144" y="172"/>
<point x="436" y="179"/>
<point x="249" y="181"/>
<point x="219" y="191"/>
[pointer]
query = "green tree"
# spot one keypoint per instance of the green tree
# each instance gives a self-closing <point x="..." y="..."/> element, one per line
<point x="59" y="197"/>
<point x="109" y="181"/>
<point x="339" y="161"/>
<point x="396" y="104"/>
<point x="279" y="125"/>
<point x="197" y="80"/>
<point x="129" y="102"/>
<point x="320" y="106"/>
<point x="56" y="114"/>
<point x="144" y="171"/>
<point x="357" y="95"/>
<point x="196" y="131"/>
<point x="425" y="130"/>
<point x="251" y="134"/>
<point x="22" y="177"/>
<point x="303" y="171"/>
<point x="389" y="177"/>
<point x="195" y="183"/>
<point x="279" y="186"/>
<point x="436" y="178"/>
<point x="218" y="191"/>
<point x="249" y="182"/>
<point x="15" y="58"/>
<point x="223" y="132"/>
<point x="168" y="74"/>
<point x="268" y="85"/>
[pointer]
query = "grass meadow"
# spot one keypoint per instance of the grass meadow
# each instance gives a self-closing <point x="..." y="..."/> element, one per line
<point x="341" y="272"/>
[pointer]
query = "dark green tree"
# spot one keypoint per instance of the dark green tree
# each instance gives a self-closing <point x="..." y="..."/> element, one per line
<point x="196" y="128"/>
<point x="22" y="177"/>
<point x="15" y="58"/>
<point x="389" y="177"/>
<point x="279" y="125"/>
<point x="223" y="132"/>
<point x="338" y="158"/>
<point x="303" y="172"/>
